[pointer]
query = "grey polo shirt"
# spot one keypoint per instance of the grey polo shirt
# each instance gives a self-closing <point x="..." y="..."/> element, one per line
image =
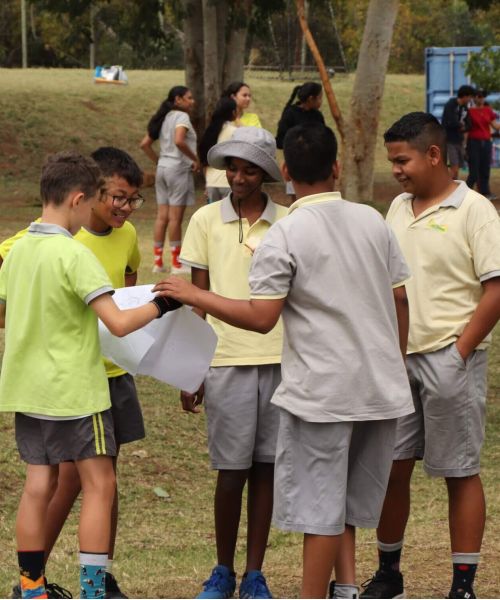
<point x="336" y="263"/>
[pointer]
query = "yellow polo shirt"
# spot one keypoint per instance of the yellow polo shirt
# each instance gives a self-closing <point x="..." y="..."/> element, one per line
<point x="450" y="248"/>
<point x="212" y="243"/>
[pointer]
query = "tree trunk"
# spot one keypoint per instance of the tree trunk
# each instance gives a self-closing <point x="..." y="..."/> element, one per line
<point x="222" y="23"/>
<point x="361" y="133"/>
<point x="236" y="42"/>
<point x="210" y="57"/>
<point x="193" y="58"/>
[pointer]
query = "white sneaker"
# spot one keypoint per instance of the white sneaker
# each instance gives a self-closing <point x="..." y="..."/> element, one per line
<point x="182" y="270"/>
<point x="158" y="269"/>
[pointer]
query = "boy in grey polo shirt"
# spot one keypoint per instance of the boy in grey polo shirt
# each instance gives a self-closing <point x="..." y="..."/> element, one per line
<point x="335" y="272"/>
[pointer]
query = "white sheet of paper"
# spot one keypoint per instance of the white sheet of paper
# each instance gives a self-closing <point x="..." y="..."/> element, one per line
<point x="176" y="349"/>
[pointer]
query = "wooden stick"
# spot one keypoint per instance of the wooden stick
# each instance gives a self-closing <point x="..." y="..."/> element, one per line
<point x="332" y="101"/>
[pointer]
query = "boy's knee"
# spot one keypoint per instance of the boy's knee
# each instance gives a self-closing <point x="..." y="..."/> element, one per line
<point x="231" y="481"/>
<point x="41" y="489"/>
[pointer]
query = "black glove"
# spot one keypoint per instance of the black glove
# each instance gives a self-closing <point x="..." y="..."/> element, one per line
<point x="165" y="305"/>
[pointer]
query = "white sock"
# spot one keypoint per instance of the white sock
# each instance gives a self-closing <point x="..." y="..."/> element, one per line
<point x="109" y="565"/>
<point x="346" y="590"/>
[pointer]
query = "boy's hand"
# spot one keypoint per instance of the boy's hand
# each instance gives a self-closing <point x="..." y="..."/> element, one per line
<point x="178" y="288"/>
<point x="191" y="402"/>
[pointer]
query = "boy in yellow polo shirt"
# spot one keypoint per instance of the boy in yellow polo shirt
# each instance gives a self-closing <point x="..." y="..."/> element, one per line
<point x="242" y="423"/>
<point x="450" y="237"/>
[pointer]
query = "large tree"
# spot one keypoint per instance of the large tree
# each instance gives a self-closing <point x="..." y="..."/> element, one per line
<point x="214" y="50"/>
<point x="366" y="101"/>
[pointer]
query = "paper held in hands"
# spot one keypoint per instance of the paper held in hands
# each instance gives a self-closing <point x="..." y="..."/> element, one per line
<point x="176" y="349"/>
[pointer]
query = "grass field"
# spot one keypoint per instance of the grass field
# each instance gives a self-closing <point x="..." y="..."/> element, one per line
<point x="166" y="545"/>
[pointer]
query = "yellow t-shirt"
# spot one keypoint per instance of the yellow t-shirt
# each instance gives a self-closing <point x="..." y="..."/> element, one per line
<point x="118" y="252"/>
<point x="250" y="120"/>
<point x="450" y="248"/>
<point x="212" y="242"/>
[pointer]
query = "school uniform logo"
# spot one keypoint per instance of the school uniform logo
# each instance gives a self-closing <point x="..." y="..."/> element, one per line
<point x="437" y="226"/>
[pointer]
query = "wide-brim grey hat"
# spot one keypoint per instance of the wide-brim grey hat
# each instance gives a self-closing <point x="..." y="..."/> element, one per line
<point x="254" y="144"/>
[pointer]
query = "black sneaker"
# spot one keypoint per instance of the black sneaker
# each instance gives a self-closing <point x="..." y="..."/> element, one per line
<point x="56" y="591"/>
<point x="384" y="584"/>
<point x="112" y="589"/>
<point x="53" y="591"/>
<point x="461" y="594"/>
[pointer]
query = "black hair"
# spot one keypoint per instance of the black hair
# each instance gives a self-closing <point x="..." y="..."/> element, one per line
<point x="465" y="90"/>
<point x="156" y="121"/>
<point x="233" y="88"/>
<point x="66" y="172"/>
<point x="420" y="129"/>
<point x="310" y="152"/>
<point x="304" y="91"/>
<point x="481" y="92"/>
<point x="113" y="161"/>
<point x="224" y="111"/>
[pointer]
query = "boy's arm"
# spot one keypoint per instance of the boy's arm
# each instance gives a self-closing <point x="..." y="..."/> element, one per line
<point x="255" y="315"/>
<point x="122" y="322"/>
<point x="191" y="402"/>
<point x="403" y="316"/>
<point x="483" y="319"/>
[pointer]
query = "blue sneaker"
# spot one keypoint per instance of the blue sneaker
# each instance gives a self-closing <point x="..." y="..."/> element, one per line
<point x="254" y="585"/>
<point x="220" y="584"/>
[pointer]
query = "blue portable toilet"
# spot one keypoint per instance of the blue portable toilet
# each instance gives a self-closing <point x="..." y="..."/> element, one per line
<point x="444" y="74"/>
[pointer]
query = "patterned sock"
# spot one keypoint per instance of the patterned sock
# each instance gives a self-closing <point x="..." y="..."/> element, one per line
<point x="92" y="574"/>
<point x="389" y="556"/>
<point x="464" y="570"/>
<point x="31" y="567"/>
<point x="158" y="254"/>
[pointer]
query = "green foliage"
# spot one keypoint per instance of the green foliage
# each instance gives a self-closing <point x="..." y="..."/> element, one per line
<point x="484" y="69"/>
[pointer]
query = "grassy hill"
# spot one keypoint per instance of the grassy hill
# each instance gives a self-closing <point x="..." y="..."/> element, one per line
<point x="166" y="545"/>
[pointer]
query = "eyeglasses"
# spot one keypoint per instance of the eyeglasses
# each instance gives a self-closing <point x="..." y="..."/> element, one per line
<point x="120" y="201"/>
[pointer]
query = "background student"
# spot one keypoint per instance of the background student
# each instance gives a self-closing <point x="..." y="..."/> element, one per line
<point x="220" y="129"/>
<point x="482" y="119"/>
<point x="303" y="112"/>
<point x="241" y="94"/>
<point x="177" y="161"/>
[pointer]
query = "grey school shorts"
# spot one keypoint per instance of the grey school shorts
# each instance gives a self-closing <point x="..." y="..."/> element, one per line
<point x="447" y="427"/>
<point x="216" y="193"/>
<point x="328" y="475"/>
<point x="174" y="186"/>
<point x="126" y="409"/>
<point x="43" y="442"/>
<point x="456" y="154"/>
<point x="242" y="423"/>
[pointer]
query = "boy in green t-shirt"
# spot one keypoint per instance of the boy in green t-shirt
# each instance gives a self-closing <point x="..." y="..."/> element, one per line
<point x="47" y="286"/>
<point x="113" y="239"/>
